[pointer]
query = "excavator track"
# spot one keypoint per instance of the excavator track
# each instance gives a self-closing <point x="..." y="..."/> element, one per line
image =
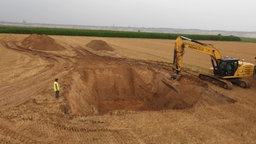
<point x="243" y="83"/>
<point x="217" y="81"/>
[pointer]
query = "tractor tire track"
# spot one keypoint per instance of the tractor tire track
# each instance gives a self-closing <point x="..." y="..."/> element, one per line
<point x="17" y="137"/>
<point x="42" y="75"/>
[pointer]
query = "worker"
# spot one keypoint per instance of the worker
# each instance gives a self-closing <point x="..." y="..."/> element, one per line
<point x="229" y="69"/>
<point x="255" y="68"/>
<point x="56" y="88"/>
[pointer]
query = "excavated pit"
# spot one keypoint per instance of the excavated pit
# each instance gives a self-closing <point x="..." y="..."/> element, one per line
<point x="108" y="85"/>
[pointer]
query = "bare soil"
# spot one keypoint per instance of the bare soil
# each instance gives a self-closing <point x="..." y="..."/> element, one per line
<point x="99" y="45"/>
<point x="41" y="42"/>
<point x="117" y="96"/>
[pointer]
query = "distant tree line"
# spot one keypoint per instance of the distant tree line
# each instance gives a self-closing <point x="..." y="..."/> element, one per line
<point x="110" y="33"/>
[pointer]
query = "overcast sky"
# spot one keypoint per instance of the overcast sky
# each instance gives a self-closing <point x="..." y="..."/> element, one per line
<point x="237" y="15"/>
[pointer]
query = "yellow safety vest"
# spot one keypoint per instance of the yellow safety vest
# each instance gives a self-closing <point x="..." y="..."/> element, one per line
<point x="56" y="86"/>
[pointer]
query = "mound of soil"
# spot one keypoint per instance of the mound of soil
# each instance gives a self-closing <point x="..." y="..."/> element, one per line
<point x="41" y="42"/>
<point x="99" y="45"/>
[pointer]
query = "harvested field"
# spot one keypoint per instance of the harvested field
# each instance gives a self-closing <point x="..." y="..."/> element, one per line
<point x="112" y="92"/>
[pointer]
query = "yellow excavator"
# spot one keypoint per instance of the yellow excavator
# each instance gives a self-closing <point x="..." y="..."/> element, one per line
<point x="226" y="71"/>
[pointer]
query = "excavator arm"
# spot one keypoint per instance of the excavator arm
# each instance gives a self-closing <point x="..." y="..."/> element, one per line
<point x="180" y="46"/>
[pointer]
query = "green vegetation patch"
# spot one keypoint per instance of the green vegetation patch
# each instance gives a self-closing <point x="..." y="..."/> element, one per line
<point x="109" y="33"/>
<point x="248" y="39"/>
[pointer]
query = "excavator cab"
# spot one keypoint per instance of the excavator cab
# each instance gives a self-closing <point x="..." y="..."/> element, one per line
<point x="226" y="67"/>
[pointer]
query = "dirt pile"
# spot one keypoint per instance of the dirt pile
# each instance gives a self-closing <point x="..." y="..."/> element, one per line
<point x="41" y="42"/>
<point x="99" y="45"/>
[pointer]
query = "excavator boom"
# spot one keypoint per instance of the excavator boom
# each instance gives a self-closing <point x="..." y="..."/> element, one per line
<point x="180" y="46"/>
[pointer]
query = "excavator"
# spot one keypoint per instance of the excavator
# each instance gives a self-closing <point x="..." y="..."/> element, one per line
<point x="226" y="71"/>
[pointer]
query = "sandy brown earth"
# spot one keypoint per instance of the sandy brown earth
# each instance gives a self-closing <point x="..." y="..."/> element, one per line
<point x="112" y="92"/>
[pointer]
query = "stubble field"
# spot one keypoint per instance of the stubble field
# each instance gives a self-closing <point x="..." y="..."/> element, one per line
<point x="112" y="92"/>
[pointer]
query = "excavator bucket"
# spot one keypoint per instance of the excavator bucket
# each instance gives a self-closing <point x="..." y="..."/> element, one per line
<point x="175" y="77"/>
<point x="172" y="83"/>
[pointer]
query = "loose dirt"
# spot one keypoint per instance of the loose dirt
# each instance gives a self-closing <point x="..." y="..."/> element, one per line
<point x="109" y="99"/>
<point x="99" y="45"/>
<point x="41" y="42"/>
